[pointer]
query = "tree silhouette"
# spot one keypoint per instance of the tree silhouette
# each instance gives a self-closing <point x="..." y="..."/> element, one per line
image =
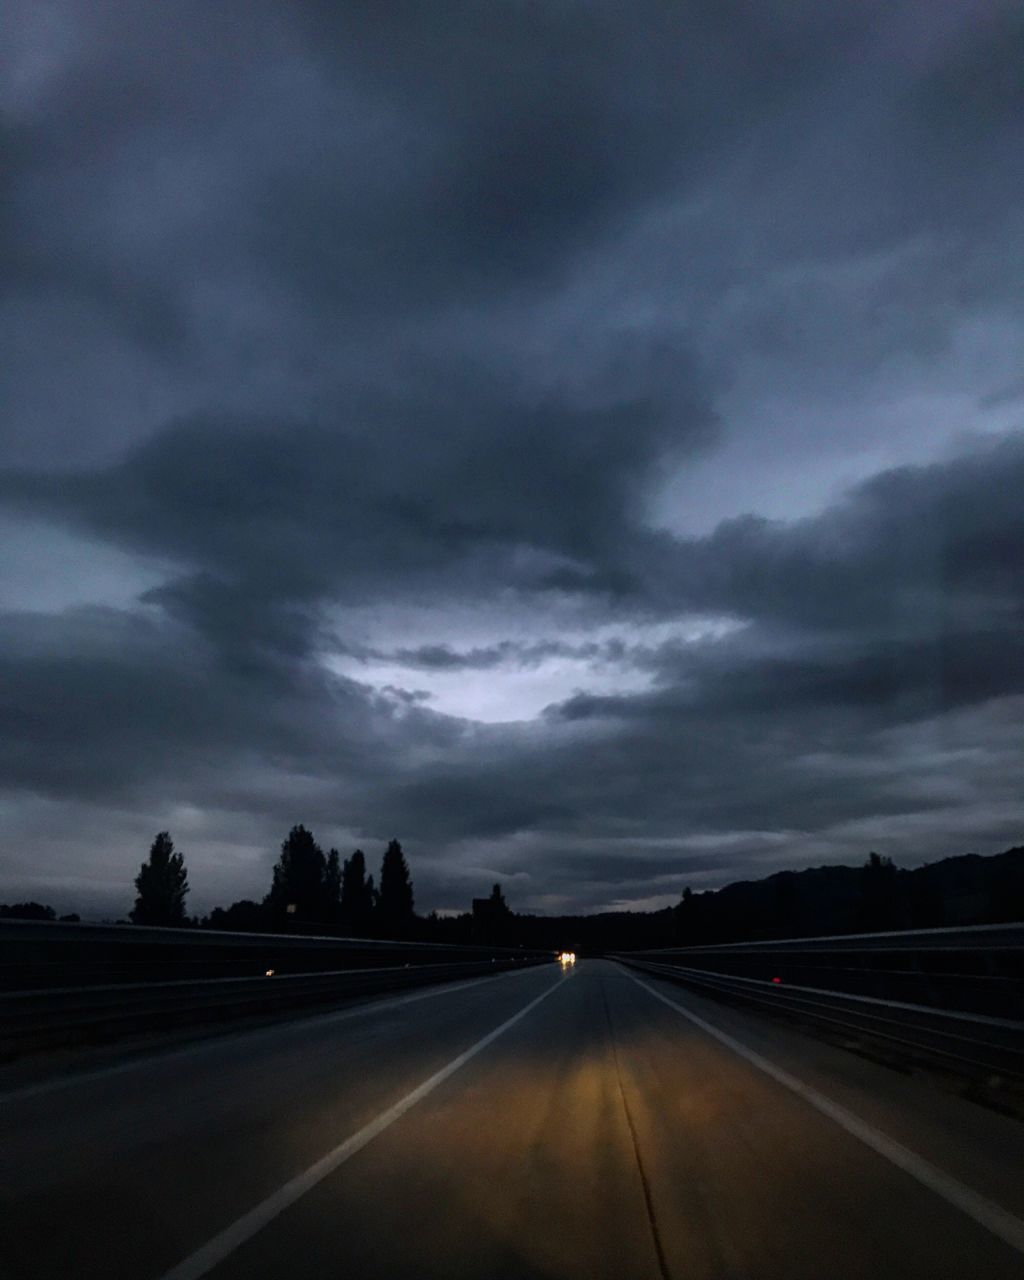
<point x="27" y="911"/>
<point x="688" y="917"/>
<point x="353" y="878"/>
<point x="357" y="894"/>
<point x="297" y="893"/>
<point x="880" y="907"/>
<point x="491" y="917"/>
<point x="244" y="915"/>
<point x="332" y="887"/>
<point x="395" y="899"/>
<point x="162" y="884"/>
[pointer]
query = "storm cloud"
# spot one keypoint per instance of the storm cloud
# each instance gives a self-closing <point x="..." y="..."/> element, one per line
<point x="585" y="443"/>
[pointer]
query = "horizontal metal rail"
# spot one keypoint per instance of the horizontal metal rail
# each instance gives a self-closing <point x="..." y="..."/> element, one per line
<point x="981" y="937"/>
<point x="54" y="1017"/>
<point x="58" y="931"/>
<point x="978" y="970"/>
<point x="957" y="1039"/>
<point x="38" y="954"/>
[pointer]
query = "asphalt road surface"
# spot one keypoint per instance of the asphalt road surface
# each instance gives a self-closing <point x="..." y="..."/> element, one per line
<point x="538" y="1124"/>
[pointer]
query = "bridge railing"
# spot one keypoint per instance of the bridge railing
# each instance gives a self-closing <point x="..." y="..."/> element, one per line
<point x="67" y="984"/>
<point x="953" y="997"/>
<point x="38" y="954"/>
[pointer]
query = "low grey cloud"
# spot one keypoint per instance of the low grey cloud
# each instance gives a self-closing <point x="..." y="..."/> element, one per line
<point x="898" y="550"/>
<point x="585" y="443"/>
<point x="149" y="700"/>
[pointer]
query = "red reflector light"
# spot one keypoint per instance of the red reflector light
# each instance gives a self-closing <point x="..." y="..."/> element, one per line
<point x="776" y="979"/>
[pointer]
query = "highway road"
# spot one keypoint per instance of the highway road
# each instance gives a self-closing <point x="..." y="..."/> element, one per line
<point x="536" y="1125"/>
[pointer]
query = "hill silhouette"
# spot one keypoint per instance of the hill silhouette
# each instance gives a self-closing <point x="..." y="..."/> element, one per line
<point x="965" y="890"/>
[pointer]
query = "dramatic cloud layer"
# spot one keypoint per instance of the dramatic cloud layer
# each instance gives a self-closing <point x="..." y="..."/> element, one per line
<point x="586" y="442"/>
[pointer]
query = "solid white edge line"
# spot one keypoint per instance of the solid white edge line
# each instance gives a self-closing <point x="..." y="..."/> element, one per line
<point x="222" y="1245"/>
<point x="995" y="1219"/>
<point x="211" y="1044"/>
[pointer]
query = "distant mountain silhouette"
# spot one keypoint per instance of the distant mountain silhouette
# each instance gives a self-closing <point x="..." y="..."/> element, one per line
<point x="966" y="890"/>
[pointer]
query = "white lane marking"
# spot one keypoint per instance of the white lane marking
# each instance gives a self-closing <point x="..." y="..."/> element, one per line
<point x="999" y="1221"/>
<point x="211" y="1045"/>
<point x="244" y="1228"/>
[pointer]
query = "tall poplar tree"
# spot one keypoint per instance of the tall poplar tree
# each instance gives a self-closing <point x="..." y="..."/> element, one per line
<point x="395" y="897"/>
<point x="162" y="884"/>
<point x="297" y="893"/>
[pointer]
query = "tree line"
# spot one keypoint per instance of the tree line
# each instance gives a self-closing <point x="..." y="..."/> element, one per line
<point x="316" y="892"/>
<point x="876" y="896"/>
<point x="33" y="911"/>
<point x="309" y="890"/>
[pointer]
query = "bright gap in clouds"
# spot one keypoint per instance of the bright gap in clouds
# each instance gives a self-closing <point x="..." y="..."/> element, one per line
<point x="501" y="694"/>
<point x="519" y="686"/>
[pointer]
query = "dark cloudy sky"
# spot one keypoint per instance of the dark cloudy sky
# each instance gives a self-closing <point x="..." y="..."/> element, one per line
<point x="585" y="440"/>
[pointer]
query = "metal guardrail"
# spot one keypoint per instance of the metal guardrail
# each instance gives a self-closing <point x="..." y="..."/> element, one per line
<point x="37" y="954"/>
<point x="951" y="997"/>
<point x="67" y="984"/>
<point x="976" y="937"/>
<point x="57" y="1017"/>
<point x="52" y="931"/>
